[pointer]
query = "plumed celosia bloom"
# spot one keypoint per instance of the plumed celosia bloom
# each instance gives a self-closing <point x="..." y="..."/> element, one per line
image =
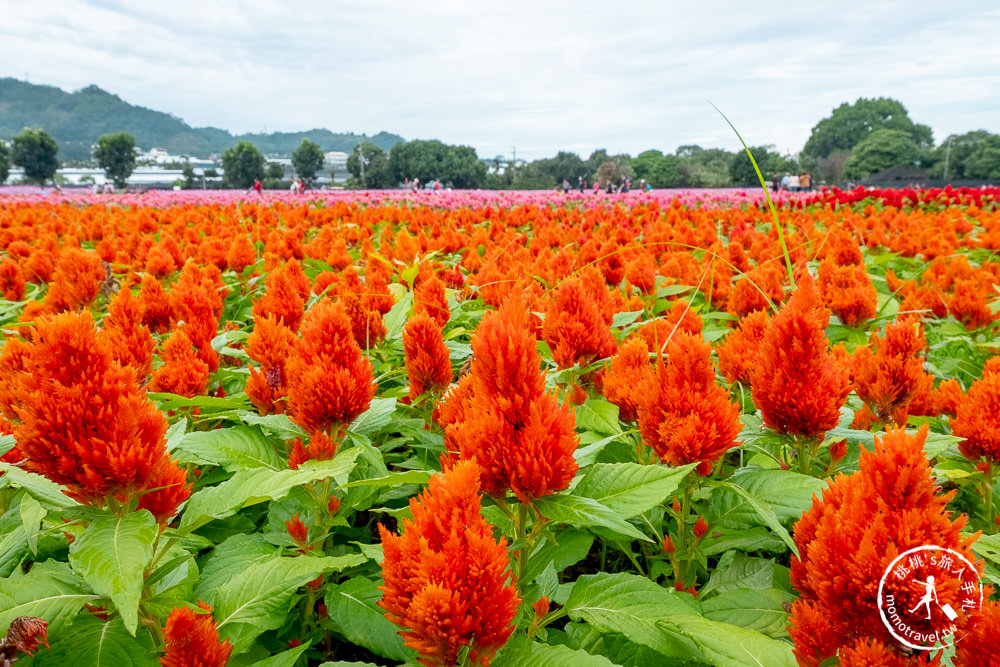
<point x="192" y="640"/>
<point x="428" y="362"/>
<point x="683" y="414"/>
<point x="624" y="375"/>
<point x="157" y="309"/>
<point x="889" y="370"/>
<point x="429" y="298"/>
<point x="848" y="292"/>
<point x="82" y="420"/>
<point x="287" y="289"/>
<point x="795" y="384"/>
<point x="980" y="643"/>
<point x="738" y="352"/>
<point x="760" y="289"/>
<point x="131" y="343"/>
<point x="850" y="536"/>
<point x="500" y="415"/>
<point x="329" y="381"/>
<point x="270" y="345"/>
<point x="969" y="306"/>
<point x="574" y="327"/>
<point x="76" y="282"/>
<point x="447" y="580"/>
<point x="978" y="419"/>
<point x="183" y="372"/>
<point x="240" y="254"/>
<point x="321" y="447"/>
<point x="12" y="282"/>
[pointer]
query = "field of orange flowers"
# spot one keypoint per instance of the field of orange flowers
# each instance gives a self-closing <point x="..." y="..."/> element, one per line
<point x="508" y="429"/>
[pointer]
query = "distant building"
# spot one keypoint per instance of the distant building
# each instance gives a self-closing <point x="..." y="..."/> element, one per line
<point x="336" y="161"/>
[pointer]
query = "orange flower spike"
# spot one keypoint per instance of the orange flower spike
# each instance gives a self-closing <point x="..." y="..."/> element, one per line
<point x="541" y="460"/>
<point x="980" y="644"/>
<point x="889" y="372"/>
<point x="795" y="384"/>
<point x="447" y="580"/>
<point x="131" y="343"/>
<point x="738" y="352"/>
<point x="271" y="344"/>
<point x="297" y="530"/>
<point x="574" y="327"/>
<point x="329" y="381"/>
<point x="428" y="364"/>
<point x="977" y="419"/>
<point x="683" y="414"/>
<point x="183" y="372"/>
<point x="848" y="292"/>
<point x="624" y="375"/>
<point x="156" y="306"/>
<point x="240" y="254"/>
<point x="429" y="298"/>
<point x="192" y="640"/>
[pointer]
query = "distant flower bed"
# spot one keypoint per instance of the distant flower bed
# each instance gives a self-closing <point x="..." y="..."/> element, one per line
<point x="507" y="428"/>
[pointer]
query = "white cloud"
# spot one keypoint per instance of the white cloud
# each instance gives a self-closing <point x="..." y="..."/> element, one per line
<point x="540" y="76"/>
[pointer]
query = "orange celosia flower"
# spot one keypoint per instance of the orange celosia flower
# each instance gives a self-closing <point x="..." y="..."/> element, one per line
<point x="501" y="416"/>
<point x="183" y="372"/>
<point x="980" y="643"/>
<point x="738" y="352"/>
<point x="285" y="296"/>
<point x="968" y="305"/>
<point x="241" y="254"/>
<point x="429" y="297"/>
<point x="679" y="317"/>
<point x="978" y="419"/>
<point x="192" y="640"/>
<point x="428" y="364"/>
<point x="447" y="580"/>
<point x="795" y="384"/>
<point x="574" y="327"/>
<point x="683" y="414"/>
<point x="624" y="375"/>
<point x="12" y="283"/>
<point x="270" y="345"/>
<point x="131" y="343"/>
<point x="850" y="536"/>
<point x="889" y="370"/>
<point x="848" y="292"/>
<point x="760" y="289"/>
<point x="84" y="422"/>
<point x="329" y="380"/>
<point x="156" y="306"/>
<point x="321" y="447"/>
<point x="76" y="281"/>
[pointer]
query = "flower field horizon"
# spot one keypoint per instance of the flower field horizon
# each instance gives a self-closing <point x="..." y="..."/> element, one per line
<point x="500" y="428"/>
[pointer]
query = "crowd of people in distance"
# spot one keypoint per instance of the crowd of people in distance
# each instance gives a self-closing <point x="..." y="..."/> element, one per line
<point x="792" y="182"/>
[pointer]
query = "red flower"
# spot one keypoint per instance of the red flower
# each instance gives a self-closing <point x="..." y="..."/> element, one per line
<point x="890" y="370"/>
<point x="429" y="298"/>
<point x="980" y="643"/>
<point x="428" y="364"/>
<point x="624" y="375"/>
<point x="795" y="384"/>
<point x="447" y="580"/>
<point x="84" y="422"/>
<point x="978" y="419"/>
<point x="183" y="372"/>
<point x="270" y="345"/>
<point x="192" y="640"/>
<point x="24" y="635"/>
<point x="738" y="352"/>
<point x="683" y="414"/>
<point x="848" y="292"/>
<point x="131" y="343"/>
<point x="329" y="380"/>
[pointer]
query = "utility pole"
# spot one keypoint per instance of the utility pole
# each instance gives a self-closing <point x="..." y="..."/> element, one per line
<point x="947" y="154"/>
<point x="362" y="161"/>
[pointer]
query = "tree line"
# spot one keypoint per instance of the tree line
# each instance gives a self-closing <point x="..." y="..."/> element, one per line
<point x="854" y="142"/>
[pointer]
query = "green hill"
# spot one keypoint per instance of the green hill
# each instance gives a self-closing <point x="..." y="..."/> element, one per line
<point x="76" y="120"/>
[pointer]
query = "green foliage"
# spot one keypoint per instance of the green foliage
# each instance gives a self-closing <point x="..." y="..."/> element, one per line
<point x="563" y="167"/>
<point x="376" y="168"/>
<point x="4" y="161"/>
<point x="984" y="162"/>
<point x="704" y="168"/>
<point x="848" y="124"/>
<point x="951" y="160"/>
<point x="308" y="160"/>
<point x="741" y="170"/>
<point x="455" y="166"/>
<point x="115" y="154"/>
<point x="659" y="170"/>
<point x="35" y="152"/>
<point x="880" y="150"/>
<point x="243" y="164"/>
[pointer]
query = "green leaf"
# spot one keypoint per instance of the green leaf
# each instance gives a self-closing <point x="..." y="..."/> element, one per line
<point x="766" y="514"/>
<point x="376" y="417"/>
<point x="392" y="479"/>
<point x="234" y="448"/>
<point x="625" y="318"/>
<point x="50" y="590"/>
<point x="587" y="454"/>
<point x="279" y="425"/>
<point x="257" y="485"/>
<point x="617" y="647"/>
<point x="753" y="539"/>
<point x="562" y="549"/>
<point x="586" y="512"/>
<point x="598" y="415"/>
<point x="32" y="514"/>
<point x="257" y="598"/>
<point x="787" y="493"/>
<point x="284" y="659"/>
<point x="168" y="401"/>
<point x="7" y="443"/>
<point x="628" y="489"/>
<point x="737" y="570"/>
<point x="41" y="488"/>
<point x="396" y="317"/>
<point x="92" y="642"/>
<point x="538" y="654"/>
<point x="761" y="611"/>
<point x="726" y="645"/>
<point x="228" y="559"/>
<point x="354" y="611"/>
<point x="112" y="555"/>
<point x="936" y="443"/>
<point x="632" y="605"/>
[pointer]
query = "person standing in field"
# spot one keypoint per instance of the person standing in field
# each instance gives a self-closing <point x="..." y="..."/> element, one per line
<point x="793" y="183"/>
<point x="805" y="182"/>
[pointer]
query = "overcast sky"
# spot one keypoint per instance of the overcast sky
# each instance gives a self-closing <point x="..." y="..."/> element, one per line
<point x="532" y="75"/>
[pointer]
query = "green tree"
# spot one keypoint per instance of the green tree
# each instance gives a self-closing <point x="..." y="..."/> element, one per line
<point x="428" y="160"/>
<point x="189" y="175"/>
<point x="274" y="176"/>
<point x="949" y="160"/>
<point x="35" y="152"/>
<point x="115" y="154"/>
<point x="659" y="170"/>
<point x="376" y="166"/>
<point x="530" y="177"/>
<point x="704" y="168"/>
<point x="850" y="123"/>
<point x="596" y="159"/>
<point x="243" y="165"/>
<point x="564" y="166"/>
<point x="742" y="173"/>
<point x="880" y="150"/>
<point x="463" y="169"/>
<point x="307" y="160"/>
<point x="984" y="162"/>
<point x="4" y="161"/>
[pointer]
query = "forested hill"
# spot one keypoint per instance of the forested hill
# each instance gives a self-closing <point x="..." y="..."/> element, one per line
<point x="76" y="120"/>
